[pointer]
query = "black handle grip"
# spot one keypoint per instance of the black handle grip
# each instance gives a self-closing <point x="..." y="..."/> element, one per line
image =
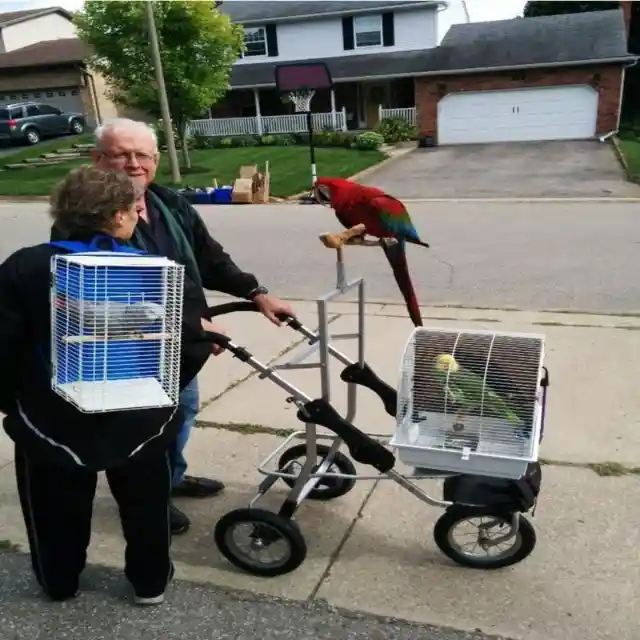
<point x="216" y="338"/>
<point x="247" y="305"/>
<point x="231" y="307"/>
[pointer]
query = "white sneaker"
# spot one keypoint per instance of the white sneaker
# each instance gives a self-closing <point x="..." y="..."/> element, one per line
<point x="144" y="602"/>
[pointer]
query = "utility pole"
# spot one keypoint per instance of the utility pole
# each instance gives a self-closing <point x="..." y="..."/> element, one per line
<point x="162" y="95"/>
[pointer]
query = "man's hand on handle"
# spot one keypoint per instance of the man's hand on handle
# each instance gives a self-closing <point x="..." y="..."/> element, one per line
<point x="271" y="307"/>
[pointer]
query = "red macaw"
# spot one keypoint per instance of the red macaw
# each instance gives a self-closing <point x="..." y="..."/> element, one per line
<point x="384" y="217"/>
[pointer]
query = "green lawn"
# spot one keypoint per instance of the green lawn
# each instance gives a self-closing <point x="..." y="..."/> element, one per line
<point x="631" y="150"/>
<point x="289" y="168"/>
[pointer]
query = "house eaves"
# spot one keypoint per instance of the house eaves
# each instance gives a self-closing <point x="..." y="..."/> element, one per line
<point x="358" y="8"/>
<point x="25" y="16"/>
<point x="628" y="60"/>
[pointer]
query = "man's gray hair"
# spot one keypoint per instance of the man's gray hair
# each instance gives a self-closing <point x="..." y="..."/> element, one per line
<point x="124" y="124"/>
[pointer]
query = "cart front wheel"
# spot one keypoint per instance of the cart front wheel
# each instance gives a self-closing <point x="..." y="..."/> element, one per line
<point x="327" y="488"/>
<point x="260" y="542"/>
<point x="474" y="538"/>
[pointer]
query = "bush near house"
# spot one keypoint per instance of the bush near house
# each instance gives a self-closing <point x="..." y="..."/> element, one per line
<point x="321" y="139"/>
<point x="396" y="130"/>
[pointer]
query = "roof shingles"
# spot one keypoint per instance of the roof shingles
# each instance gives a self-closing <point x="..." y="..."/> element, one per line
<point x="549" y="40"/>
<point x="244" y="11"/>
<point x="46" y="53"/>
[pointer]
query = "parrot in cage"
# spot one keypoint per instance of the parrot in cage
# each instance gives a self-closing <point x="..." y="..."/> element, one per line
<point x="469" y="391"/>
<point x="115" y="318"/>
<point x="384" y="217"/>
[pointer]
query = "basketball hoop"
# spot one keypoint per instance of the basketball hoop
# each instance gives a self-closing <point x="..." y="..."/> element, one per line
<point x="299" y="81"/>
<point x="301" y="99"/>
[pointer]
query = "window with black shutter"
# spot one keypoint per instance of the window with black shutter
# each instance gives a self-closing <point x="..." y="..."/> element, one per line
<point x="272" y="41"/>
<point x="388" y="31"/>
<point x="255" y="41"/>
<point x="367" y="30"/>
<point x="347" y="33"/>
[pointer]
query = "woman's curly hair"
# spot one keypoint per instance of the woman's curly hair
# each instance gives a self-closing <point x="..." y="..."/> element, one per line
<point x="88" y="198"/>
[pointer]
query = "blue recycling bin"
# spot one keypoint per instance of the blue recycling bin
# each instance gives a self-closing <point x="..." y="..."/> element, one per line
<point x="222" y="195"/>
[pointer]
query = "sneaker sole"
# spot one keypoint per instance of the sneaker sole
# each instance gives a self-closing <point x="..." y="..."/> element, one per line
<point x="145" y="602"/>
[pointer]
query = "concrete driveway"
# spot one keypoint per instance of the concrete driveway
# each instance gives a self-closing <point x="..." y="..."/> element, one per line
<point x="572" y="169"/>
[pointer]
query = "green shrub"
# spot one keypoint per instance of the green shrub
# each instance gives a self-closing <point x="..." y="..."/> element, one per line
<point x="396" y="129"/>
<point x="200" y="141"/>
<point x="246" y="141"/>
<point x="268" y="140"/>
<point x="226" y="142"/>
<point x="369" y="140"/>
<point x="285" y="140"/>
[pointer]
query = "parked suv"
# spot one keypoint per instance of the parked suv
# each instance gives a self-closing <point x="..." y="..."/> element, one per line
<point x="29" y="122"/>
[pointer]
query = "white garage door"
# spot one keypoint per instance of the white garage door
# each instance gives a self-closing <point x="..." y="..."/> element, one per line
<point x="550" y="113"/>
<point x="65" y="98"/>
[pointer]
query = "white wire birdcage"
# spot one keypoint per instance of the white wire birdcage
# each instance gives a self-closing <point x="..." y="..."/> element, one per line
<point x="116" y="330"/>
<point x="470" y="401"/>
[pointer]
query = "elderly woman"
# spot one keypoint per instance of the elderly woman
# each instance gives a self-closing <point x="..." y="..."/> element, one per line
<point x="59" y="450"/>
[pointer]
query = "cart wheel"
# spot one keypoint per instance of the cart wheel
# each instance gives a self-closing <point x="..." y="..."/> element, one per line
<point x="260" y="542"/>
<point x="466" y="535"/>
<point x="327" y="488"/>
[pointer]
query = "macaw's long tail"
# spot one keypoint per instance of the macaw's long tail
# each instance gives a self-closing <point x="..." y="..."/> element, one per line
<point x="397" y="257"/>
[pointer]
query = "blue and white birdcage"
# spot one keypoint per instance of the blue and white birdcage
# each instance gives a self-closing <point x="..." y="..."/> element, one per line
<point x="116" y="330"/>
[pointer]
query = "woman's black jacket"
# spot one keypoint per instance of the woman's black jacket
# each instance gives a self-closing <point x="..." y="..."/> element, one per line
<point x="39" y="420"/>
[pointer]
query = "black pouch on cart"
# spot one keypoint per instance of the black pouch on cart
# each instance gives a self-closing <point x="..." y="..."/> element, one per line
<point x="498" y="493"/>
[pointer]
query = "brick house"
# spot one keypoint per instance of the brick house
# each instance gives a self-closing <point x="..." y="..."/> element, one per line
<point x="52" y="70"/>
<point x="542" y="78"/>
<point x="550" y="77"/>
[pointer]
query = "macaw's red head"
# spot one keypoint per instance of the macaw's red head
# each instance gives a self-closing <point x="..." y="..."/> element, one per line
<point x="329" y="190"/>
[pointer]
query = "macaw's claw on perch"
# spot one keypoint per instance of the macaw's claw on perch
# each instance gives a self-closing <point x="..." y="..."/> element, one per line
<point x="355" y="236"/>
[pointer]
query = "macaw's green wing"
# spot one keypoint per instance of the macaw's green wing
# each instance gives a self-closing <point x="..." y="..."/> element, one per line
<point x="395" y="219"/>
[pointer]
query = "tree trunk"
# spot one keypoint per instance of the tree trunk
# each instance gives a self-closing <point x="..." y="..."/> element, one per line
<point x="182" y="134"/>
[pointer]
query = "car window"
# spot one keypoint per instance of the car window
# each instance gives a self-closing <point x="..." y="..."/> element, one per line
<point x="15" y="112"/>
<point x="32" y="110"/>
<point x="48" y="110"/>
<point x="4" y="114"/>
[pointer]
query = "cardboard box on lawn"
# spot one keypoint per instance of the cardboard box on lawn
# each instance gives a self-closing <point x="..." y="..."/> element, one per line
<point x="251" y="186"/>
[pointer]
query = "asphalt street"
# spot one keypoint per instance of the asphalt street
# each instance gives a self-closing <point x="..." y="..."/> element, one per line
<point x="192" y="611"/>
<point x="579" y="256"/>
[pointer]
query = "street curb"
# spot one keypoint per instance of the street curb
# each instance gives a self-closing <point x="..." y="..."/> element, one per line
<point x="559" y="200"/>
<point x="391" y="159"/>
<point x="24" y="199"/>
<point x="615" y="143"/>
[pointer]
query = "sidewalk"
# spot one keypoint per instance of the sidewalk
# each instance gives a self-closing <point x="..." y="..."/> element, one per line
<point x="372" y="550"/>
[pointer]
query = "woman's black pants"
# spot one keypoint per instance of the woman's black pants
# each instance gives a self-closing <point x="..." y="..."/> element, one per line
<point x="57" y="504"/>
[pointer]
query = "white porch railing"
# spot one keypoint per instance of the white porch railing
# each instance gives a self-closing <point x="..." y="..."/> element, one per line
<point x="408" y="113"/>
<point x="259" y="125"/>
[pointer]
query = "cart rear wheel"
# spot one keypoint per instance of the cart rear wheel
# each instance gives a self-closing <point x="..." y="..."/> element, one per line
<point x="327" y="488"/>
<point x="260" y="542"/>
<point x="476" y="546"/>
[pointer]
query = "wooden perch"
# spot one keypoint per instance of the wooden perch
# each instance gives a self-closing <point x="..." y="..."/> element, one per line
<point x="355" y="236"/>
<point x="349" y="237"/>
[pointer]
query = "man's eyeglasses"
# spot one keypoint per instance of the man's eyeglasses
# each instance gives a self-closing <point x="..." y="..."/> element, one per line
<point x="141" y="158"/>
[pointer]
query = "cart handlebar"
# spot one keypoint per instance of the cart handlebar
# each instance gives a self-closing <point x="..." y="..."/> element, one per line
<point x="241" y="305"/>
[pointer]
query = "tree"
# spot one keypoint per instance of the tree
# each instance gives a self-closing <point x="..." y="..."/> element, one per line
<point x="198" y="45"/>
<point x="551" y="8"/>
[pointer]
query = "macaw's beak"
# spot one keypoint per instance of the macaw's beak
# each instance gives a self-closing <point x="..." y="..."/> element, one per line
<point x="322" y="194"/>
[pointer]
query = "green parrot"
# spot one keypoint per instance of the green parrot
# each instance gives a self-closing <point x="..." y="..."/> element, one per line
<point x="466" y="389"/>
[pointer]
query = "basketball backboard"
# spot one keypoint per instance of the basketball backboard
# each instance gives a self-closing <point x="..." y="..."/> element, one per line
<point x="302" y="76"/>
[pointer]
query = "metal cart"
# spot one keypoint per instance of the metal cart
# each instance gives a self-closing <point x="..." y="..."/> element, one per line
<point x="268" y="544"/>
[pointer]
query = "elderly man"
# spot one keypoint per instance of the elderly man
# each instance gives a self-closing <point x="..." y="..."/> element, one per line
<point x="169" y="226"/>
